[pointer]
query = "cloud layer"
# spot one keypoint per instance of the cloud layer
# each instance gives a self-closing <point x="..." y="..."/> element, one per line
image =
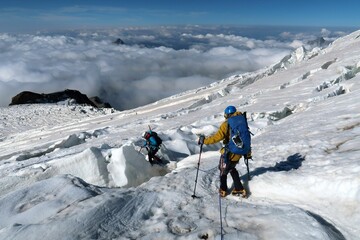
<point x="154" y="62"/>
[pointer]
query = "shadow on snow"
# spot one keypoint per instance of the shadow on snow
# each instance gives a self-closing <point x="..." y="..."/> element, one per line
<point x="292" y="162"/>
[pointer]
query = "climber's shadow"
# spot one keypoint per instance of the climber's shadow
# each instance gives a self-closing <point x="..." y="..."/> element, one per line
<point x="292" y="162"/>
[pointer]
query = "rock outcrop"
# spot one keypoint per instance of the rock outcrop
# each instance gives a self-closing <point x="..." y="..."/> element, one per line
<point x="119" y="42"/>
<point x="28" y="97"/>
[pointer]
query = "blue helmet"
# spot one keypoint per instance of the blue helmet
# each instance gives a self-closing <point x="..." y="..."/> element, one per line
<point x="229" y="110"/>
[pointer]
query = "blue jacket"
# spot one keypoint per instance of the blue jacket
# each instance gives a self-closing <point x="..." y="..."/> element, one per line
<point x="151" y="142"/>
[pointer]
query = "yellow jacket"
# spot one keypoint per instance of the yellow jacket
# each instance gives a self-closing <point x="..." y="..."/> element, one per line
<point x="223" y="134"/>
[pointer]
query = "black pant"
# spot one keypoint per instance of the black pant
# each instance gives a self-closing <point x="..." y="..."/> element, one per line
<point x="151" y="154"/>
<point x="230" y="168"/>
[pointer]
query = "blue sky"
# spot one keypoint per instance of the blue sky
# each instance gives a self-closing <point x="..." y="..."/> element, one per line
<point x="27" y="16"/>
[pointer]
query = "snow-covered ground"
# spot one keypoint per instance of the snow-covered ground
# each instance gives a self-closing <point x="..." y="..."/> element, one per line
<point x="73" y="172"/>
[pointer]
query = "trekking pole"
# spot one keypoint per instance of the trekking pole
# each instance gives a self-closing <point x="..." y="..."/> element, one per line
<point x="246" y="160"/>
<point x="197" y="172"/>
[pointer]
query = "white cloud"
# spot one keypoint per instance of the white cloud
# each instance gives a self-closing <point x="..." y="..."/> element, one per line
<point x="325" y="32"/>
<point x="164" y="61"/>
<point x="296" y="44"/>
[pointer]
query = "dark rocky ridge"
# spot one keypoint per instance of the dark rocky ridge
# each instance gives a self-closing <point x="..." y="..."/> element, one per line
<point x="319" y="42"/>
<point x="28" y="97"/>
<point x="119" y="42"/>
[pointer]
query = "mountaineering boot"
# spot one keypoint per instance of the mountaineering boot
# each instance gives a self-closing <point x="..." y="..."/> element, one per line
<point x="222" y="193"/>
<point x="241" y="193"/>
<point x="158" y="160"/>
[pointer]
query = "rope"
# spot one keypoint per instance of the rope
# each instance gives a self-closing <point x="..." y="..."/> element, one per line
<point x="221" y="225"/>
<point x="221" y="172"/>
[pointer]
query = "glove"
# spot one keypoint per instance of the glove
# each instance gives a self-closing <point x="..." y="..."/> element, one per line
<point x="222" y="166"/>
<point x="248" y="155"/>
<point x="224" y="160"/>
<point x="201" y="140"/>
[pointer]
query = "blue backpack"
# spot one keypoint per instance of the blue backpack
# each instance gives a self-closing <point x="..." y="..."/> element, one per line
<point x="240" y="139"/>
<point x="153" y="134"/>
<point x="157" y="138"/>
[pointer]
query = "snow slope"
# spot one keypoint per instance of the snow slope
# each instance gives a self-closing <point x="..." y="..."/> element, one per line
<point x="73" y="172"/>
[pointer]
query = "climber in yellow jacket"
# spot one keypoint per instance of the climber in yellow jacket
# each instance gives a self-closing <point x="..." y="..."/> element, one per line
<point x="229" y="159"/>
